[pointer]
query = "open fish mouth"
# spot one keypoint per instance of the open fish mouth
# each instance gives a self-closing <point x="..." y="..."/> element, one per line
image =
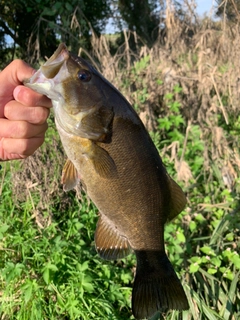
<point x="53" y="65"/>
<point x="47" y="77"/>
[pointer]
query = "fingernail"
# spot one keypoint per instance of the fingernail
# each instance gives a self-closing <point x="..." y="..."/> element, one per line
<point x="16" y="92"/>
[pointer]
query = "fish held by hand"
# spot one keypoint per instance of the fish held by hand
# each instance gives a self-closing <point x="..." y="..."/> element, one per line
<point x="111" y="152"/>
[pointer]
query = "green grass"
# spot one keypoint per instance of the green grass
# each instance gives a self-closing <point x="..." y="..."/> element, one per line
<point x="49" y="268"/>
<point x="54" y="273"/>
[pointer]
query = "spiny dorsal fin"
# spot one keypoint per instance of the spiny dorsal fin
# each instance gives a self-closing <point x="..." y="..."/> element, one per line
<point x="102" y="162"/>
<point x="178" y="199"/>
<point x="70" y="176"/>
<point x="110" y="244"/>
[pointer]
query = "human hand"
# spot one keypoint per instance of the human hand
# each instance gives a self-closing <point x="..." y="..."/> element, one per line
<point x="23" y="113"/>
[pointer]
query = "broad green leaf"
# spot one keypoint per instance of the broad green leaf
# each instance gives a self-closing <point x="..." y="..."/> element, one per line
<point x="194" y="268"/>
<point x="207" y="250"/>
<point x="211" y="270"/>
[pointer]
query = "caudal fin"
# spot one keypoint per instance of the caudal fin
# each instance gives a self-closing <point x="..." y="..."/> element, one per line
<point x="156" y="286"/>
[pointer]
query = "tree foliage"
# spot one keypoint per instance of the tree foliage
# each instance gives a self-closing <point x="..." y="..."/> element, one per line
<point x="229" y="9"/>
<point x="141" y="16"/>
<point x="33" y="28"/>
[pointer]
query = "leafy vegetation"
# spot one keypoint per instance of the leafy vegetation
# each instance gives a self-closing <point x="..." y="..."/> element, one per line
<point x="54" y="272"/>
<point x="185" y="92"/>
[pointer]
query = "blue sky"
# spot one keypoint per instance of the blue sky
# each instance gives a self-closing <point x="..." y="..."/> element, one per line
<point x="204" y="6"/>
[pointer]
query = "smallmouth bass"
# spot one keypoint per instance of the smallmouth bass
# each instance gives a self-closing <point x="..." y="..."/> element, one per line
<point x="111" y="152"/>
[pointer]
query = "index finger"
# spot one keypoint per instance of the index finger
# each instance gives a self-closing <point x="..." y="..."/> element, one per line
<point x="11" y="76"/>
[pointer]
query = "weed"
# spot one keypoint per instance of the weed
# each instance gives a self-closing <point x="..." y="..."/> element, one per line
<point x="186" y="92"/>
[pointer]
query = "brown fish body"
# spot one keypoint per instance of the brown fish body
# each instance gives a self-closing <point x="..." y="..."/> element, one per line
<point x="111" y="152"/>
<point x="137" y="198"/>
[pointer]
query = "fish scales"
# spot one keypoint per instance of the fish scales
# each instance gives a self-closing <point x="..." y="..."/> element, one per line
<point x="127" y="199"/>
<point x="111" y="152"/>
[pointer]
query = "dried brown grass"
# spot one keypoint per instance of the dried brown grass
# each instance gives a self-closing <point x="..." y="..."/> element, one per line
<point x="202" y="57"/>
<point x="37" y="182"/>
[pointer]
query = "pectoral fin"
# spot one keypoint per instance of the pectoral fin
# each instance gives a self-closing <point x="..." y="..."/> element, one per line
<point x="178" y="199"/>
<point x="70" y="176"/>
<point x="101" y="160"/>
<point x="110" y="244"/>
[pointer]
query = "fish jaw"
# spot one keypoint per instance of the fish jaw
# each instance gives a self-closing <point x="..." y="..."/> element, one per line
<point x="58" y="79"/>
<point x="47" y="80"/>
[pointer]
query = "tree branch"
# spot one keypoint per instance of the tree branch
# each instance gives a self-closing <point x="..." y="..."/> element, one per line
<point x="7" y="30"/>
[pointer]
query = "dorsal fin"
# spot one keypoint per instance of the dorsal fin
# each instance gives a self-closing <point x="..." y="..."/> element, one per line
<point x="110" y="244"/>
<point x="178" y="199"/>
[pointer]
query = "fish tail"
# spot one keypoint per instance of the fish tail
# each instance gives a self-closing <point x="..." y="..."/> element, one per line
<point x="156" y="286"/>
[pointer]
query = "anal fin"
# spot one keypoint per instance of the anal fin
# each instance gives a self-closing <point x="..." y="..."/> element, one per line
<point x="110" y="244"/>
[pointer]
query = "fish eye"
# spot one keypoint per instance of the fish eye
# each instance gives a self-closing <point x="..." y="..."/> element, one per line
<point x="84" y="75"/>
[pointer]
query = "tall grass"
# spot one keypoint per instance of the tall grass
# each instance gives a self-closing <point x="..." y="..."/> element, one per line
<point x="186" y="91"/>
